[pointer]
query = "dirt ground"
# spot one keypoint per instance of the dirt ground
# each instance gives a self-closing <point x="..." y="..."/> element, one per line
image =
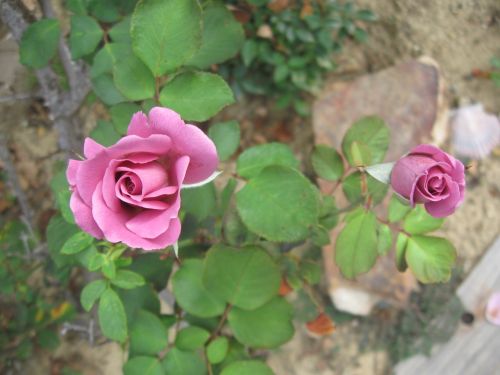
<point x="461" y="35"/>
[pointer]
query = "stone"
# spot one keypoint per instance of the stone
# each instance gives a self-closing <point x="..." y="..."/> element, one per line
<point x="408" y="96"/>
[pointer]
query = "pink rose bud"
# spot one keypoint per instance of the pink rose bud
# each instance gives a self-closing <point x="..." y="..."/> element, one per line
<point x="430" y="176"/>
<point x="493" y="309"/>
<point x="130" y="192"/>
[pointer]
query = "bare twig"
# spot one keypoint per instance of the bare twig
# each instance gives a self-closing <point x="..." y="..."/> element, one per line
<point x="13" y="181"/>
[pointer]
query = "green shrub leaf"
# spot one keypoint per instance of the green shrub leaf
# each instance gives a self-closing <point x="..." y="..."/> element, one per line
<point x="226" y="136"/>
<point x="179" y="362"/>
<point x="254" y="159"/>
<point x="112" y="318"/>
<point x="91" y="293"/>
<point x="222" y="37"/>
<point x="279" y="204"/>
<point x="327" y="163"/>
<point x="166" y="34"/>
<point x="246" y="278"/>
<point x="191" y="338"/>
<point x="196" y="96"/>
<point x="268" y="326"/>
<point x="148" y="336"/>
<point x="127" y="279"/>
<point x="430" y="258"/>
<point x="418" y="221"/>
<point x="217" y="350"/>
<point x="77" y="242"/>
<point x="397" y="209"/>
<point x="142" y="86"/>
<point x="39" y="43"/>
<point x="401" y="242"/>
<point x="356" y="247"/>
<point x="121" y="115"/>
<point x="370" y="136"/>
<point x="247" y="368"/>
<point x="191" y="294"/>
<point x="85" y="36"/>
<point x="143" y="365"/>
<point x="352" y="188"/>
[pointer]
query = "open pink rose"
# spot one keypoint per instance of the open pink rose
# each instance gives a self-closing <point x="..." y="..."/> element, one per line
<point x="130" y="192"/>
<point x="430" y="176"/>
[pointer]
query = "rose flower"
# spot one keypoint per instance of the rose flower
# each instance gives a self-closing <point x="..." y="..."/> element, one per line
<point x="430" y="176"/>
<point x="130" y="192"/>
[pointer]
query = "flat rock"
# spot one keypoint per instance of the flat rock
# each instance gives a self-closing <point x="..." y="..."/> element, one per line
<point x="409" y="97"/>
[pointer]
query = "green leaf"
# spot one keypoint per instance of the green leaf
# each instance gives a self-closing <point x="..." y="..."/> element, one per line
<point x="104" y="133"/>
<point x="356" y="247"/>
<point x="430" y="258"/>
<point x="222" y="37"/>
<point x="280" y="73"/>
<point x="110" y="54"/>
<point x="226" y="136"/>
<point x="166" y="34"/>
<point x="249" y="51"/>
<point x="199" y="201"/>
<point x="226" y="194"/>
<point x="397" y="209"/>
<point x="401" y="242"/>
<point x="48" y="339"/>
<point x="329" y="213"/>
<point x="148" y="336"/>
<point x="109" y="268"/>
<point x="105" y="11"/>
<point x="191" y="294"/>
<point x="311" y="271"/>
<point x="105" y="89"/>
<point x="183" y="363"/>
<point x="143" y="297"/>
<point x="127" y="279"/>
<point x="39" y="43"/>
<point x="320" y="235"/>
<point x="85" y="36"/>
<point x="418" y="221"/>
<point x="196" y="96"/>
<point x="91" y="293"/>
<point x="191" y="338"/>
<point x="217" y="350"/>
<point x="279" y="204"/>
<point x="58" y="232"/>
<point x="112" y="318"/>
<point x="77" y="6"/>
<point x="142" y="86"/>
<point x="360" y="154"/>
<point x="384" y="239"/>
<point x="254" y="159"/>
<point x="153" y="268"/>
<point x="143" y="365"/>
<point x="76" y="243"/>
<point x="269" y="326"/>
<point x="121" y="114"/>
<point x="121" y="31"/>
<point x="246" y="278"/>
<point x="247" y="368"/>
<point x="60" y="189"/>
<point x="369" y="132"/>
<point x="352" y="188"/>
<point x="327" y="163"/>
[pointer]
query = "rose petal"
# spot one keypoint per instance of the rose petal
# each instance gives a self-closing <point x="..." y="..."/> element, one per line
<point x="456" y="170"/>
<point x="406" y="173"/>
<point x="448" y="205"/>
<point x="149" y="223"/>
<point x="186" y="140"/>
<point x="91" y="148"/>
<point x="139" y="125"/>
<point x="158" y="144"/>
<point x="83" y="216"/>
<point x="152" y="175"/>
<point x="493" y="309"/>
<point x="72" y="170"/>
<point x="113" y="226"/>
